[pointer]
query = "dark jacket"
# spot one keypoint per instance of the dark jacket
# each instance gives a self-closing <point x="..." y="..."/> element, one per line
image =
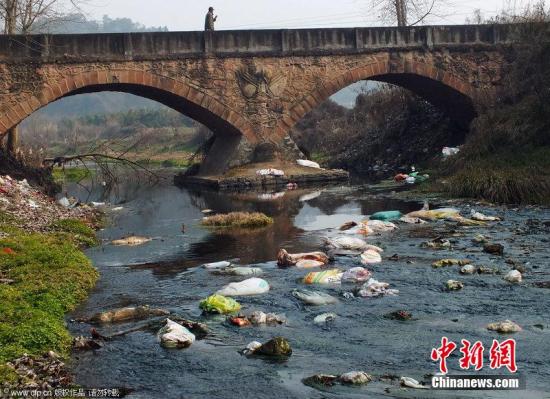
<point x="209" y="21"/>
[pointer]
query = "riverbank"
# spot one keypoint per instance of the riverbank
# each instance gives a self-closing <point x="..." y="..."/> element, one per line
<point x="43" y="275"/>
<point x="275" y="174"/>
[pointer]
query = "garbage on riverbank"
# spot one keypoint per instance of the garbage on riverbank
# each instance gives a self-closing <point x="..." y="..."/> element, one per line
<point x="237" y="219"/>
<point x="270" y="172"/>
<point x="307" y="163"/>
<point x="33" y="210"/>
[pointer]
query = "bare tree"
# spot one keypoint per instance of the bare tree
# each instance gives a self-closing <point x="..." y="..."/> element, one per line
<point x="31" y="16"/>
<point x="408" y="12"/>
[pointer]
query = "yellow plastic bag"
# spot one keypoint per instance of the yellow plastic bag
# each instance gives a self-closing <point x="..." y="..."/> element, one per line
<point x="219" y="304"/>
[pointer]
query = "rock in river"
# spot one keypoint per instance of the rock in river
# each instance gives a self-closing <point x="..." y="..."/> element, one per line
<point x="504" y="327"/>
<point x="126" y="314"/>
<point x="494" y="249"/>
<point x="278" y="347"/>
<point x="453" y="285"/>
<point x="513" y="276"/>
<point x="355" y="378"/>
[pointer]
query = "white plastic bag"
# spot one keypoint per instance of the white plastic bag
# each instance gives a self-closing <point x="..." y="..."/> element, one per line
<point x="351" y="243"/>
<point x="307" y="163"/>
<point x="370" y="257"/>
<point x="174" y="335"/>
<point x="217" y="265"/>
<point x="251" y="286"/>
<point x="356" y="274"/>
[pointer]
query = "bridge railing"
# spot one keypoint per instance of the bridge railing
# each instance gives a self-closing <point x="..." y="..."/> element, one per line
<point x="162" y="45"/>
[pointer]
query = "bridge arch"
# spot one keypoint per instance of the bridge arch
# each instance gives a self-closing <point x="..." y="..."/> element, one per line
<point x="170" y="92"/>
<point x="440" y="87"/>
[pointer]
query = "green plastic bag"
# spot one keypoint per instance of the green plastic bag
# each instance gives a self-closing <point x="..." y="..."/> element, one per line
<point x="386" y="215"/>
<point x="219" y="304"/>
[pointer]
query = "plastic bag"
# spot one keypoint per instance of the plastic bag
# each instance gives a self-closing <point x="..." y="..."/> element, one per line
<point x="332" y="276"/>
<point x="286" y="259"/>
<point x="370" y="256"/>
<point x="174" y="335"/>
<point x="374" y="288"/>
<point x="239" y="271"/>
<point x="513" y="276"/>
<point x="270" y="172"/>
<point x="217" y="265"/>
<point x="483" y="218"/>
<point x="344" y="242"/>
<point x="251" y="286"/>
<point x="314" y="297"/>
<point x="448" y="151"/>
<point x="380" y="226"/>
<point x="220" y="304"/>
<point x="435" y="214"/>
<point x="309" y="164"/>
<point x="356" y="274"/>
<point x="386" y="215"/>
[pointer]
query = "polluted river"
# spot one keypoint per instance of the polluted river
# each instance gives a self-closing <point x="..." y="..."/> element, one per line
<point x="362" y="334"/>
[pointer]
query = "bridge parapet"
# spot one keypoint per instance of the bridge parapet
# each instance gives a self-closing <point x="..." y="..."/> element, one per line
<point x="246" y="43"/>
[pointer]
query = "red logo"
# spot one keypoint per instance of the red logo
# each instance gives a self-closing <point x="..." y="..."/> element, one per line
<point x="502" y="354"/>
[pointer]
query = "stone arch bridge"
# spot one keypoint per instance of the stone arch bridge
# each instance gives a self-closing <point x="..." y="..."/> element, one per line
<point x="251" y="87"/>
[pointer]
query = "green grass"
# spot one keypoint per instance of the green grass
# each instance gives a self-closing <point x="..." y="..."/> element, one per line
<point x="77" y="230"/>
<point x="51" y="277"/>
<point x="70" y="174"/>
<point x="511" y="175"/>
<point x="320" y="157"/>
<point x="238" y="219"/>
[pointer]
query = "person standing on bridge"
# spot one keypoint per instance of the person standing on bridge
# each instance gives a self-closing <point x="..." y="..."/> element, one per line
<point x="210" y="19"/>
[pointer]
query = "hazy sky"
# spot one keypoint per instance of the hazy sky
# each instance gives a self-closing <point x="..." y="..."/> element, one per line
<point x="248" y="14"/>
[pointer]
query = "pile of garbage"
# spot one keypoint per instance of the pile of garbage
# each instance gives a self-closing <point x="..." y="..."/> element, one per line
<point x="35" y="211"/>
<point x="39" y="372"/>
<point x="411" y="178"/>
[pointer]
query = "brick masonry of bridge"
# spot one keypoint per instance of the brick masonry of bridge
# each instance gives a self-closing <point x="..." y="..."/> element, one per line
<point x="251" y="87"/>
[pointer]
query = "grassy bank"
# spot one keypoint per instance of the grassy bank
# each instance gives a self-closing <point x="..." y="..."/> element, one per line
<point x="513" y="178"/>
<point x="50" y="277"/>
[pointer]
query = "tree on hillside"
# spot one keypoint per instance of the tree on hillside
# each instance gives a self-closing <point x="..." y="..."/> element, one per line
<point x="408" y="12"/>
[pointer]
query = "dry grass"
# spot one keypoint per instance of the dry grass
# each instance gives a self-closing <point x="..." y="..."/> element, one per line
<point x="238" y="219"/>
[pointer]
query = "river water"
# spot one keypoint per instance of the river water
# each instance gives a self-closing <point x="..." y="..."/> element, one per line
<point x="165" y="273"/>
